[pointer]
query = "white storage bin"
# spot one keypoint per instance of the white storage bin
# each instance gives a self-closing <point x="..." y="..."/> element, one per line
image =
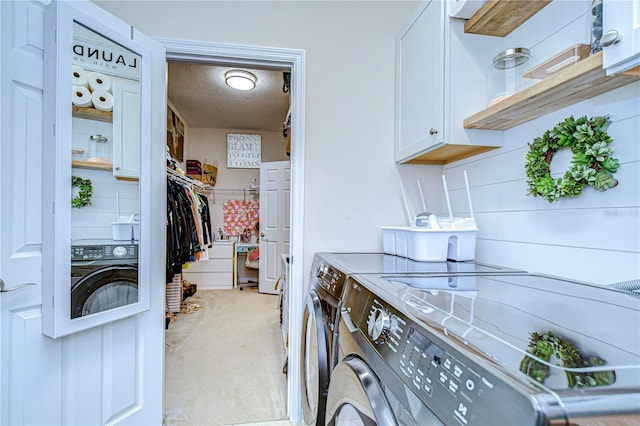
<point x="429" y="245"/>
<point x="122" y="231"/>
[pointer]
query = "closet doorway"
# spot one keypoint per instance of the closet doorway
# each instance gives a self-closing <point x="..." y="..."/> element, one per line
<point x="277" y="64"/>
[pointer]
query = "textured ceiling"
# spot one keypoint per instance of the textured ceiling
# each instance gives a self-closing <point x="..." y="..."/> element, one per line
<point x="203" y="99"/>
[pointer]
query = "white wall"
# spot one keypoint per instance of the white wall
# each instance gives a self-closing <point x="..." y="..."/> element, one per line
<point x="594" y="237"/>
<point x="210" y="145"/>
<point x="351" y="181"/>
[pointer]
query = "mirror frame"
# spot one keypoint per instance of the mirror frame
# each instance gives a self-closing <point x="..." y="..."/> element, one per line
<point x="57" y="170"/>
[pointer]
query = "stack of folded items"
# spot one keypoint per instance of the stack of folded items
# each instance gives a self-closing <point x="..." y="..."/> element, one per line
<point x="194" y="169"/>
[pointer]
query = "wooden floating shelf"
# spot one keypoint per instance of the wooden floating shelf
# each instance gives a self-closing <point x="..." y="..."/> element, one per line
<point x="92" y="114"/>
<point x="91" y="165"/>
<point x="500" y="17"/>
<point x="449" y="153"/>
<point x="575" y="83"/>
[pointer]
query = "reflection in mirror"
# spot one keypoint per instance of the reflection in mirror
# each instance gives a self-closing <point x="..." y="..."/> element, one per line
<point x="105" y="80"/>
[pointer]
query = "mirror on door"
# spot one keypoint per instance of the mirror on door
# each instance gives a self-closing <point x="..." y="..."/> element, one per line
<point x="105" y="149"/>
<point x="95" y="97"/>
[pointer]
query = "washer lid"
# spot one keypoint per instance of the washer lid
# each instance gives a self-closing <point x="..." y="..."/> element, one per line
<point x="558" y="333"/>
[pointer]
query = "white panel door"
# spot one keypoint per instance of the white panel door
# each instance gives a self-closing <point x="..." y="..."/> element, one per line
<point x="29" y="362"/>
<point x="109" y="374"/>
<point x="275" y="210"/>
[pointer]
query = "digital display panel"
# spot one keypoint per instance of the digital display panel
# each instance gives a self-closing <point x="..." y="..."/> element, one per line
<point x="421" y="342"/>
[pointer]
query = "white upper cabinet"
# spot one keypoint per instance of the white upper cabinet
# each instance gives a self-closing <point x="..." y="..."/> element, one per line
<point x="126" y="130"/>
<point x="420" y="83"/>
<point x="621" y="35"/>
<point x="440" y="77"/>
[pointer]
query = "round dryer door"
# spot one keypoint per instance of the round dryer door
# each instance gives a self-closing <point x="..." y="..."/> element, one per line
<point x="314" y="361"/>
<point x="103" y="289"/>
<point x="356" y="397"/>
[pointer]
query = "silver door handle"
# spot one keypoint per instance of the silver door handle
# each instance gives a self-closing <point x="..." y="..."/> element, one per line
<point x="610" y="38"/>
<point x="6" y="290"/>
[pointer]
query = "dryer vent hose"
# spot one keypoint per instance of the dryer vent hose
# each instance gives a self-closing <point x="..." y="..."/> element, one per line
<point x="632" y="287"/>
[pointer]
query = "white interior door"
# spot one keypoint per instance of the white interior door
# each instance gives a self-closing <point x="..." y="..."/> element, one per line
<point x="275" y="211"/>
<point x="109" y="374"/>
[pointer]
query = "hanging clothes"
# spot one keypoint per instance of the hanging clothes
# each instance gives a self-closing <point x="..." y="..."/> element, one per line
<point x="188" y="227"/>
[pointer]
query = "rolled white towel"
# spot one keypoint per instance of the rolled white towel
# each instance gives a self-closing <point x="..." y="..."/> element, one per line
<point x="79" y="77"/>
<point x="81" y="97"/>
<point x="102" y="100"/>
<point x="99" y="81"/>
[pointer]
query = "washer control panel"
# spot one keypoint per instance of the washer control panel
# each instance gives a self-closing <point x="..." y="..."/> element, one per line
<point x="330" y="279"/>
<point x="455" y="388"/>
<point x="104" y="252"/>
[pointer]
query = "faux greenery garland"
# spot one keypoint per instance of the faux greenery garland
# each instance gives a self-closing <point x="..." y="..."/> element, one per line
<point x="591" y="164"/>
<point x="84" y="195"/>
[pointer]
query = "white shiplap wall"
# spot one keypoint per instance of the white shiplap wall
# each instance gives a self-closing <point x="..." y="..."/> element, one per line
<point x="594" y="237"/>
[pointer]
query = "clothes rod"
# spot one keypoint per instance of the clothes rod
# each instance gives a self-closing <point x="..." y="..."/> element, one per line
<point x="193" y="184"/>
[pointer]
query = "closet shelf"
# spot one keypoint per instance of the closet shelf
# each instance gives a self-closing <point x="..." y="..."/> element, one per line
<point x="575" y="83"/>
<point x="500" y="17"/>
<point x="92" y="114"/>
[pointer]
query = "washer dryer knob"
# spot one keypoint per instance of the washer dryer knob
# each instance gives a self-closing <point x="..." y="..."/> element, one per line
<point x="320" y="270"/>
<point x="379" y="325"/>
<point x="120" y="251"/>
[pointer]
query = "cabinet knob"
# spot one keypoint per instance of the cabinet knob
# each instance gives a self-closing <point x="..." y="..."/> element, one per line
<point x="610" y="38"/>
<point x="433" y="131"/>
<point x="117" y="167"/>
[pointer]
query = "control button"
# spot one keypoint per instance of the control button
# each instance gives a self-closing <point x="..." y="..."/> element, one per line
<point x="428" y="389"/>
<point x="453" y="387"/>
<point x="457" y="371"/>
<point x="470" y="385"/>
<point x="447" y="364"/>
<point x="403" y="364"/>
<point x="461" y="413"/>
<point x="443" y="378"/>
<point x="420" y="372"/>
<point x="404" y="370"/>
<point x="487" y="383"/>
<point x="428" y="380"/>
<point x="416" y="384"/>
<point x="410" y="371"/>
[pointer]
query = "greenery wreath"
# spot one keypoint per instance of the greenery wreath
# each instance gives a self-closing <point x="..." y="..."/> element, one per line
<point x="591" y="164"/>
<point x="84" y="195"/>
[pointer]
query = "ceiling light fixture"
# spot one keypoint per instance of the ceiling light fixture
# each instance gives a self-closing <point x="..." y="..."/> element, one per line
<point x="240" y="79"/>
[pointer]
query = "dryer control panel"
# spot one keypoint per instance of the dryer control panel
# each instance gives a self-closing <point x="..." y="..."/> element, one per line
<point x="330" y="279"/>
<point x="454" y="387"/>
<point x="100" y="252"/>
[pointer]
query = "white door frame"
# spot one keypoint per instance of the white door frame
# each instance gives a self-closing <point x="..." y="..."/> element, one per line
<point x="240" y="55"/>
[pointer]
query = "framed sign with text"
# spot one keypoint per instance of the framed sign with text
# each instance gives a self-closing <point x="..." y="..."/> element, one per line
<point x="243" y="151"/>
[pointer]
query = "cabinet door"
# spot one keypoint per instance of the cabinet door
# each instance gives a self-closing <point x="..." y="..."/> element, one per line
<point x="621" y="19"/>
<point x="420" y="82"/>
<point x="126" y="130"/>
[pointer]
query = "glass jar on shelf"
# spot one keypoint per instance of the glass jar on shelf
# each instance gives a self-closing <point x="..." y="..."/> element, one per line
<point x="99" y="149"/>
<point x="505" y="76"/>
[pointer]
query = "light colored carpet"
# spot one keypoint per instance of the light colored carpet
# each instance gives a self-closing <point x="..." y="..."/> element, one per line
<point x="223" y="363"/>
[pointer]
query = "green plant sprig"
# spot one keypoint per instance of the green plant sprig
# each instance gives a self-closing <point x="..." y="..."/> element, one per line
<point x="591" y="164"/>
<point x="84" y="195"/>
